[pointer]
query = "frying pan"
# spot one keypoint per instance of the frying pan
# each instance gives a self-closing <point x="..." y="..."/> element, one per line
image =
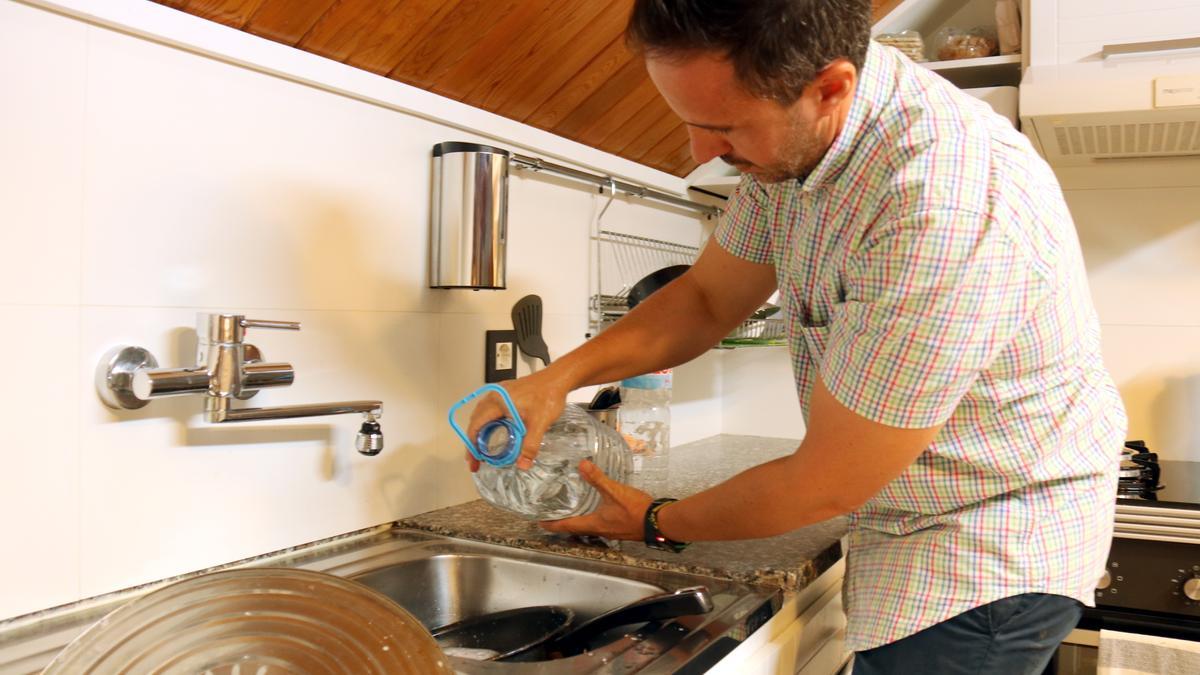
<point x="654" y="281"/>
<point x="544" y="632"/>
<point x="498" y="635"/>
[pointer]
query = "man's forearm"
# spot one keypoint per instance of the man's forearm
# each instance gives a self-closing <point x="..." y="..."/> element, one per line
<point x="763" y="501"/>
<point x="805" y="487"/>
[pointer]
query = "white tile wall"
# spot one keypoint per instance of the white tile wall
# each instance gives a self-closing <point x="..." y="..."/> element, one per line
<point x="39" y="481"/>
<point x="255" y="181"/>
<point x="141" y="183"/>
<point x="1142" y="249"/>
<point x="1158" y="371"/>
<point x="759" y="394"/>
<point x="41" y="133"/>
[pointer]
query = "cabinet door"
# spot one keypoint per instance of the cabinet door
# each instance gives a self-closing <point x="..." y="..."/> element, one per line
<point x="1079" y="29"/>
<point x="814" y="644"/>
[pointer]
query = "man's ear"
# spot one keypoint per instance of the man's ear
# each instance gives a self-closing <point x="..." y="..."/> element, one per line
<point x="833" y="85"/>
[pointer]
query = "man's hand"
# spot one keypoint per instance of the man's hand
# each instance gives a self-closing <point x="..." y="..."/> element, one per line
<point x="619" y="516"/>
<point x="539" y="399"/>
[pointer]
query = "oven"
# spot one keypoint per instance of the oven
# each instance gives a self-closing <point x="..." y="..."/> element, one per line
<point x="1151" y="585"/>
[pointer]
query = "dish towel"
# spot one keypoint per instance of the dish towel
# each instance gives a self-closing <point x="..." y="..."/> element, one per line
<point x="1133" y="654"/>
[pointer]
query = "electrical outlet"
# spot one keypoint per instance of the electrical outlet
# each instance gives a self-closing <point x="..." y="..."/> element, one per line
<point x="500" y="355"/>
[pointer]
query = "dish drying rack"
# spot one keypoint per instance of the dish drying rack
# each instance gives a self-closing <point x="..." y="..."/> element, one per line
<point x="623" y="259"/>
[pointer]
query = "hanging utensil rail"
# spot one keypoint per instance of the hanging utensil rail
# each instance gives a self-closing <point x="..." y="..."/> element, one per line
<point x="538" y="164"/>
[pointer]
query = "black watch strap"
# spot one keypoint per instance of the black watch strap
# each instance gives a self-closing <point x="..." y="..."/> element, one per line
<point x="653" y="537"/>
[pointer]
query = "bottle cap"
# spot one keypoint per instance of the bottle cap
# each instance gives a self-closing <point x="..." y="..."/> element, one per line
<point x="657" y="380"/>
<point x="499" y="441"/>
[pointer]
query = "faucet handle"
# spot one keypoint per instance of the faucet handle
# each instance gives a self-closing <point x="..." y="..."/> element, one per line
<point x="231" y="328"/>
<point x="278" y="325"/>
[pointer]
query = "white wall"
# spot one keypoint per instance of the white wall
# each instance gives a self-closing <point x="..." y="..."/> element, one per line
<point x="759" y="394"/>
<point x="141" y="183"/>
<point x="1142" y="249"/>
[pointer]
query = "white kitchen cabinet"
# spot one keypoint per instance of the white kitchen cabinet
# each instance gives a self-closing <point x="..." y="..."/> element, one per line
<point x="1075" y="31"/>
<point x="806" y="636"/>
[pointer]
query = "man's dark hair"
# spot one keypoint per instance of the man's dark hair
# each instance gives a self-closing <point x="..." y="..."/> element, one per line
<point x="776" y="47"/>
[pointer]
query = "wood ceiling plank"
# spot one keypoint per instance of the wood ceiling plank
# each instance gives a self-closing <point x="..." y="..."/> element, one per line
<point x="882" y="8"/>
<point x="657" y="154"/>
<point x="228" y="12"/>
<point x="685" y="163"/>
<point x="483" y="54"/>
<point x="624" y="113"/>
<point x="654" y="133"/>
<point x="610" y="60"/>
<point x="533" y="53"/>
<point x="396" y="35"/>
<point x="286" y="21"/>
<point x="346" y="27"/>
<point x="553" y="67"/>
<point x="445" y="42"/>
<point x="603" y="98"/>
<point x="642" y="119"/>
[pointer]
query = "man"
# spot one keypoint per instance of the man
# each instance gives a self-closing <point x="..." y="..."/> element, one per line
<point x="944" y="345"/>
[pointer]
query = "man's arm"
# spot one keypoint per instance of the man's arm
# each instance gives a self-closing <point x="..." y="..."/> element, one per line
<point x="674" y="325"/>
<point x="843" y="461"/>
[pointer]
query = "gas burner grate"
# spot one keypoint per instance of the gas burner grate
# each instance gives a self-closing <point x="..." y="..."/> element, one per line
<point x="1139" y="473"/>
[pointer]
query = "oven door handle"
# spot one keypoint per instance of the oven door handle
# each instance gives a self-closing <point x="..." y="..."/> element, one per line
<point x="1180" y="628"/>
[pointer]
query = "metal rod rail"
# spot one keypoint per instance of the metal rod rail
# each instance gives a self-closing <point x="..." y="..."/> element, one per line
<point x="537" y="164"/>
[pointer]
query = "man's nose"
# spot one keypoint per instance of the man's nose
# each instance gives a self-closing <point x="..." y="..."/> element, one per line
<point x="706" y="145"/>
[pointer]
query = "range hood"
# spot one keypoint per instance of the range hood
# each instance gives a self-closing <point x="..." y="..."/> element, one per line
<point x="1130" y="103"/>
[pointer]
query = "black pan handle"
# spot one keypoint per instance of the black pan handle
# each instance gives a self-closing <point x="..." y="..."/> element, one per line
<point x="683" y="602"/>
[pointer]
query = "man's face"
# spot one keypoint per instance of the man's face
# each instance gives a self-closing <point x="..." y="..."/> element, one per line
<point x="756" y="135"/>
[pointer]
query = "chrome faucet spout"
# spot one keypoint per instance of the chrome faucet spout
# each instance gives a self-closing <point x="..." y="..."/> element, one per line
<point x="218" y="410"/>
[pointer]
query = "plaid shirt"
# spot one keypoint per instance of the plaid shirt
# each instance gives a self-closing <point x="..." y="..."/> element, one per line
<point x="930" y="274"/>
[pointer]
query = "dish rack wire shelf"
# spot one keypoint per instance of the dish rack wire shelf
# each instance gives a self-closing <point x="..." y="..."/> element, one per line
<point x="623" y="259"/>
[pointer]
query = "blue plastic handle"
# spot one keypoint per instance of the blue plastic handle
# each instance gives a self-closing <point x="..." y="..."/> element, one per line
<point x="514" y="424"/>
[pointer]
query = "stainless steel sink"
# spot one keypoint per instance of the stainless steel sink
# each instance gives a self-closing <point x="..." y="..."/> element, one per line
<point x="449" y="587"/>
<point x="441" y="580"/>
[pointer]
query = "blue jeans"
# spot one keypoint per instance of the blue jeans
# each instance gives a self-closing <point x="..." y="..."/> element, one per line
<point x="1012" y="636"/>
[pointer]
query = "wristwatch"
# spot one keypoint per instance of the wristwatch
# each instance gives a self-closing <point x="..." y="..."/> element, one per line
<point x="653" y="537"/>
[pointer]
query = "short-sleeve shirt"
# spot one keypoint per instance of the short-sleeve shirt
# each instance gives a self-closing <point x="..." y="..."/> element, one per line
<point x="930" y="274"/>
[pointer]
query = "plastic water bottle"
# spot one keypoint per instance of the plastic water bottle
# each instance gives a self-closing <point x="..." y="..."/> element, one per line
<point x="644" y="420"/>
<point x="552" y="488"/>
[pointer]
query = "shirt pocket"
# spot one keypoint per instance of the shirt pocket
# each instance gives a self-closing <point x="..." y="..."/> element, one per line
<point x="812" y="338"/>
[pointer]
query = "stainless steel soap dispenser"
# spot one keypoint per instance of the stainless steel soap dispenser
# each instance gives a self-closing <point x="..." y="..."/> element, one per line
<point x="468" y="226"/>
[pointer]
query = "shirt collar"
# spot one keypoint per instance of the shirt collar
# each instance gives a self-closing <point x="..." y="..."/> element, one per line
<point x="875" y="85"/>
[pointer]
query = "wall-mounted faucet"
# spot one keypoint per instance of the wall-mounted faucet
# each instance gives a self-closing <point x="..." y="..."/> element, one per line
<point x="227" y="368"/>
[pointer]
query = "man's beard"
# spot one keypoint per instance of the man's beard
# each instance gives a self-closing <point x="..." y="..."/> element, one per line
<point x="799" y="156"/>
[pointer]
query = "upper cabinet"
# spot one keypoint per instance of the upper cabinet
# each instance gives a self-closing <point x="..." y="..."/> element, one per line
<point x="1077" y="31"/>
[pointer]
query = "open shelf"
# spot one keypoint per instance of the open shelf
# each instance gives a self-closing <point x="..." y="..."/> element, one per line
<point x="987" y="71"/>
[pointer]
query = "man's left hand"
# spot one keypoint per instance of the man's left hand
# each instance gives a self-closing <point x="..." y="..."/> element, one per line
<point x="620" y="514"/>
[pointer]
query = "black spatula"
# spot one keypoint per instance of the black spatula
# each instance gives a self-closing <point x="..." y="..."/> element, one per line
<point x="527" y="321"/>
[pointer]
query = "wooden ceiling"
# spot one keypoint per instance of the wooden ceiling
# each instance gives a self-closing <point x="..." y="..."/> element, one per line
<point x="559" y="65"/>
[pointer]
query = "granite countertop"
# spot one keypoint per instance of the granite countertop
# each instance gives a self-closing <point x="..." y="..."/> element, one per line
<point x="789" y="561"/>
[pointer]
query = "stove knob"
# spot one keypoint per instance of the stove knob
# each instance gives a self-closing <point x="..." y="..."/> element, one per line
<point x="1191" y="588"/>
<point x="1104" y="582"/>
